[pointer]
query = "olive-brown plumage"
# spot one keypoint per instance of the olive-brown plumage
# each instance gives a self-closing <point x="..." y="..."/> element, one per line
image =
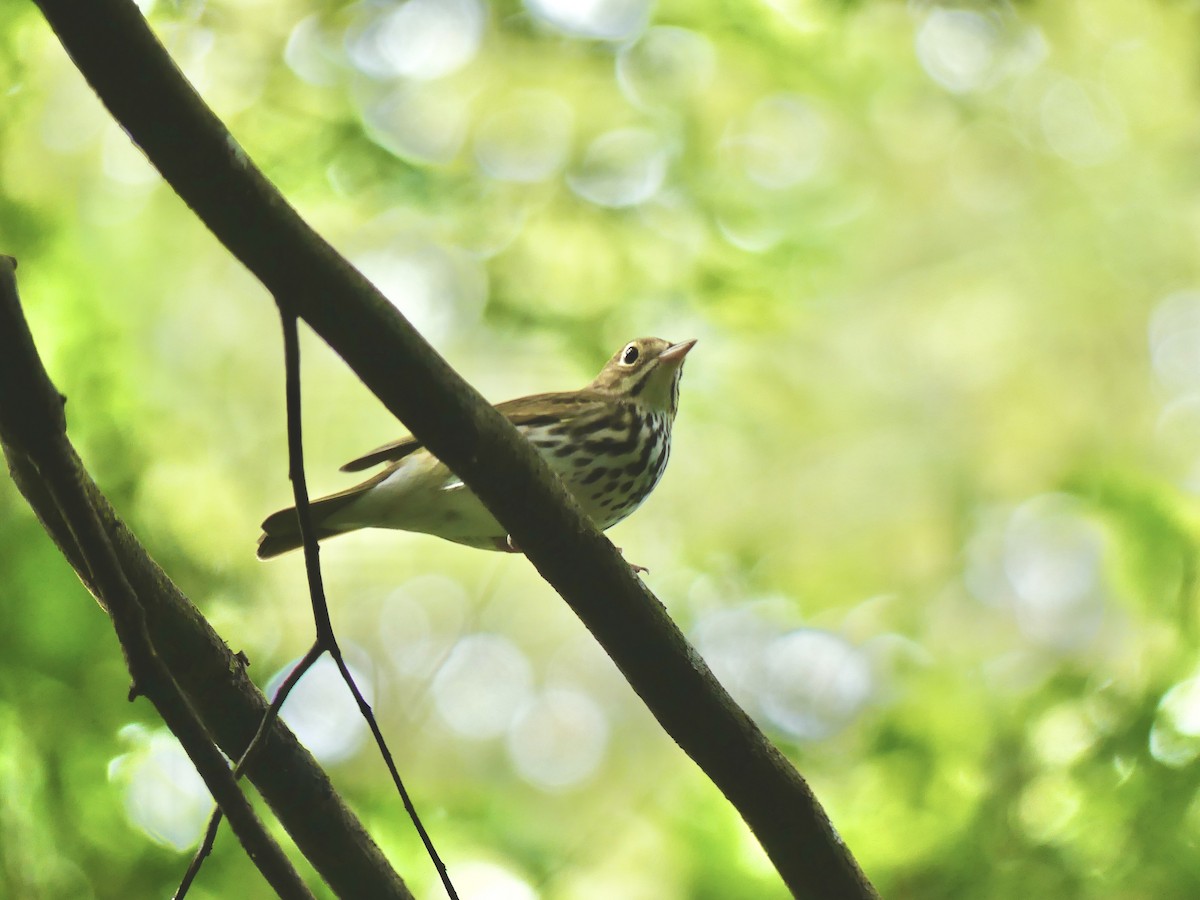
<point x="609" y="442"/>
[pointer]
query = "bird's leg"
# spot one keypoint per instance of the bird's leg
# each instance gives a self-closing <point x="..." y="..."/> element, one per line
<point x="637" y="570"/>
<point x="508" y="545"/>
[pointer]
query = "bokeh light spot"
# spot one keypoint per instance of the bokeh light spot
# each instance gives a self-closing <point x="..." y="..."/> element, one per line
<point x="1048" y="807"/>
<point x="1082" y="124"/>
<point x="418" y="39"/>
<point x="313" y="53"/>
<point x="321" y="710"/>
<point x="558" y="739"/>
<point x="1174" y="335"/>
<point x="164" y="794"/>
<point x="780" y="143"/>
<point x="607" y="20"/>
<point x="483" y="880"/>
<point x="418" y="122"/>
<point x="527" y="139"/>
<point x="665" y="67"/>
<point x="124" y="162"/>
<point x="481" y="685"/>
<point x="1063" y="735"/>
<point x="621" y="168"/>
<point x="732" y="643"/>
<point x="438" y="288"/>
<point x="420" y="621"/>
<point x="957" y="48"/>
<point x="815" y="683"/>
<point x="1178" y="431"/>
<point x="1175" y="735"/>
<point x="1052" y="557"/>
<point x="1044" y="562"/>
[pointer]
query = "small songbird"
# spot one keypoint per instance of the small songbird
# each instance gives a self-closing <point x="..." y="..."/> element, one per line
<point x="609" y="444"/>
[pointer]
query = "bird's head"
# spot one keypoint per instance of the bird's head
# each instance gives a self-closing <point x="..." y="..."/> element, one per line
<point x="646" y="371"/>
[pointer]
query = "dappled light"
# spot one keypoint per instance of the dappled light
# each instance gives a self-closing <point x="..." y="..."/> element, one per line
<point x="609" y="20"/>
<point x="164" y="796"/>
<point x="973" y="47"/>
<point x="558" y="738"/>
<point x="931" y="510"/>
<point x="490" y="881"/>
<point x="1044" y="563"/>
<point x="321" y="712"/>
<point x="815" y="683"/>
<point x="420" y="622"/>
<point x="481" y="685"/>
<point x="780" y="143"/>
<point x="418" y="39"/>
<point x="437" y="288"/>
<point x="527" y="139"/>
<point x="621" y="168"/>
<point x="666" y="67"/>
<point x="1175" y="737"/>
<point x="418" y="122"/>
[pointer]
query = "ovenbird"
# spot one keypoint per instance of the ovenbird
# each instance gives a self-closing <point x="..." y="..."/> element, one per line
<point x="608" y="442"/>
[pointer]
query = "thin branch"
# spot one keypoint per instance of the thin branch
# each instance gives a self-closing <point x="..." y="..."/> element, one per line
<point x="32" y="431"/>
<point x="316" y="584"/>
<point x="114" y="48"/>
<point x="325" y="639"/>
<point x="214" y="822"/>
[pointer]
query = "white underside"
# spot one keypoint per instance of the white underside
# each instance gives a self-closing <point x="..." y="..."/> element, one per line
<point x="423" y="495"/>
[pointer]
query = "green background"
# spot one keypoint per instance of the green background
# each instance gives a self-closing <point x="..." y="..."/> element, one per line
<point x="931" y="509"/>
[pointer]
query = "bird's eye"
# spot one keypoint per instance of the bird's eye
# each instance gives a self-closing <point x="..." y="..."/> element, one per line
<point x="629" y="355"/>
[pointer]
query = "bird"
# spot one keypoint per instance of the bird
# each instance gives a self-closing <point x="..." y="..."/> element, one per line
<point x="608" y="442"/>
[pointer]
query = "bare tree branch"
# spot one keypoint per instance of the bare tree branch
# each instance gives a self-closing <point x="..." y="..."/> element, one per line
<point x="325" y="636"/>
<point x="59" y="482"/>
<point x="158" y="626"/>
<point x="114" y="48"/>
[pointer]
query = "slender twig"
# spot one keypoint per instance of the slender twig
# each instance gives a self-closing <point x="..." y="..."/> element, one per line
<point x="268" y="719"/>
<point x="324" y="626"/>
<point x="326" y="639"/>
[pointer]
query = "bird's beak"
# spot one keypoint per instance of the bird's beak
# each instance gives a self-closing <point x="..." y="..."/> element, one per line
<point x="674" y="354"/>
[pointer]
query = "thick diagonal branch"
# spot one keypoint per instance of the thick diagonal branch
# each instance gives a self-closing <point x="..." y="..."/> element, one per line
<point x="170" y="647"/>
<point x="117" y="53"/>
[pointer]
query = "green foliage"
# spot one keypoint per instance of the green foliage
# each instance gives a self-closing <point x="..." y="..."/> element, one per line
<point x="940" y="431"/>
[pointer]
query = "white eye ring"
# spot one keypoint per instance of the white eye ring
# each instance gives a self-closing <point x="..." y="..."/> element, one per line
<point x="629" y="355"/>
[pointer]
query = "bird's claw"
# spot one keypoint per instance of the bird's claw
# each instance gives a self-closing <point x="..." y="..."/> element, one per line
<point x="508" y="545"/>
<point x="637" y="570"/>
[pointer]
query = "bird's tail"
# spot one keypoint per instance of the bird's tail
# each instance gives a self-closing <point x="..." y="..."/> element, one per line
<point x="281" y="530"/>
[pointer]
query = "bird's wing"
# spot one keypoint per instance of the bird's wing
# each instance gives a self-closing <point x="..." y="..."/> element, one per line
<point x="392" y="452"/>
<point x="548" y="409"/>
<point x="540" y="409"/>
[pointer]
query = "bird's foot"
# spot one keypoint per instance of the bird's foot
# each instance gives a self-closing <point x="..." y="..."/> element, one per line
<point x="637" y="570"/>
<point x="508" y="545"/>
